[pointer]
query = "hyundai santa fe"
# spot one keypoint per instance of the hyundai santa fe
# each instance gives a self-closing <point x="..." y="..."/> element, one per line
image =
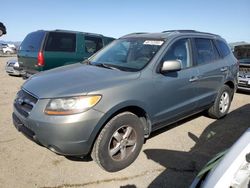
<point x="107" y="105"/>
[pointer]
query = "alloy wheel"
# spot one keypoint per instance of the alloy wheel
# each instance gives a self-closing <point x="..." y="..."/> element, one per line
<point x="122" y="143"/>
<point x="224" y="102"/>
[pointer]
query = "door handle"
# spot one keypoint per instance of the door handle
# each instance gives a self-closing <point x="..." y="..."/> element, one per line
<point x="223" y="69"/>
<point x="193" y="79"/>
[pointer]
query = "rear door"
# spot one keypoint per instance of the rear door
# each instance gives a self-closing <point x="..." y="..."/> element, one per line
<point x="212" y="70"/>
<point x="28" y="51"/>
<point x="60" y="49"/>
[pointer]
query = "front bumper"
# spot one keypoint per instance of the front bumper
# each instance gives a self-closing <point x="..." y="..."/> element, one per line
<point x="244" y="83"/>
<point x="12" y="71"/>
<point x="65" y="135"/>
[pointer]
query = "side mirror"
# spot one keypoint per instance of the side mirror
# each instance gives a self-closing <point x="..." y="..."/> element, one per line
<point x="169" y="66"/>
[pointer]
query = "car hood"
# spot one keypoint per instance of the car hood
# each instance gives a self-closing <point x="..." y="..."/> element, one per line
<point x="76" y="79"/>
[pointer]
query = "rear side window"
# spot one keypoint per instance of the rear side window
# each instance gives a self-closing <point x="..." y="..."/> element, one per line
<point x="32" y="42"/>
<point x="61" y="42"/>
<point x="92" y="44"/>
<point x="223" y="48"/>
<point x="206" y="51"/>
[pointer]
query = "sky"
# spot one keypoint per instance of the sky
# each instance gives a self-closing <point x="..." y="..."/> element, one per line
<point x="114" y="18"/>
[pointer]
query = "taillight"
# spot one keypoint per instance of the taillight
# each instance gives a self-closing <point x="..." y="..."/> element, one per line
<point x="40" y="59"/>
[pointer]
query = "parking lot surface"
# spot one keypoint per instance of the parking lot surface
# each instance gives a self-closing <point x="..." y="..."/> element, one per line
<point x="171" y="157"/>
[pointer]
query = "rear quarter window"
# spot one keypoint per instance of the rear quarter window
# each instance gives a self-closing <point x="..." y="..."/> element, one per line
<point x="32" y="42"/>
<point x="223" y="48"/>
<point x="61" y="42"/>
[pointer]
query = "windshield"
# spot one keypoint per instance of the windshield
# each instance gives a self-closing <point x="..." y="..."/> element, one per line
<point x="242" y="53"/>
<point x="127" y="54"/>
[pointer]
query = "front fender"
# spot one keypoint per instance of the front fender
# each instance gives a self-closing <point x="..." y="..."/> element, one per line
<point x="111" y="112"/>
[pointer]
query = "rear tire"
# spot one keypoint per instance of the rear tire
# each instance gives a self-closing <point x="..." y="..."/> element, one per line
<point x="119" y="142"/>
<point x="222" y="103"/>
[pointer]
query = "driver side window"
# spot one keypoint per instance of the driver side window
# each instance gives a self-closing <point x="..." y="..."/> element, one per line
<point x="179" y="50"/>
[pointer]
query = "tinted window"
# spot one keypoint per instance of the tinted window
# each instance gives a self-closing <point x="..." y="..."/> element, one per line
<point x="61" y="42"/>
<point x="206" y="51"/>
<point x="179" y="51"/>
<point x="242" y="53"/>
<point x="92" y="44"/>
<point x="32" y="41"/>
<point x="223" y="48"/>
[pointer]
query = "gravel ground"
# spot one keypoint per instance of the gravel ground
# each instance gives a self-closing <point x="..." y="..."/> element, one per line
<point x="171" y="157"/>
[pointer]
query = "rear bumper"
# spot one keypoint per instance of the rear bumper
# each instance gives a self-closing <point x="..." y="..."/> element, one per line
<point x="25" y="73"/>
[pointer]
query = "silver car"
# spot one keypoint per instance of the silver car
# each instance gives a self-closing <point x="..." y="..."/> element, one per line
<point x="12" y="67"/>
<point x="137" y="84"/>
<point x="230" y="168"/>
<point x="242" y="53"/>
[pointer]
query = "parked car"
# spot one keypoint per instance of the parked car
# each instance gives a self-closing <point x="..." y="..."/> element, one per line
<point x="7" y="48"/>
<point x="43" y="50"/>
<point x="242" y="53"/>
<point x="12" y="67"/>
<point x="111" y="102"/>
<point x="2" y="29"/>
<point x="230" y="168"/>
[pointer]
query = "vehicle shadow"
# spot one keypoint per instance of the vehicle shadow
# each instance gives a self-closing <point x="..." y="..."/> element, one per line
<point x="182" y="167"/>
<point x="243" y="92"/>
<point x="86" y="158"/>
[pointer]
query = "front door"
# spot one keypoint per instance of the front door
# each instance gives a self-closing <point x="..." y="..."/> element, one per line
<point x="175" y="91"/>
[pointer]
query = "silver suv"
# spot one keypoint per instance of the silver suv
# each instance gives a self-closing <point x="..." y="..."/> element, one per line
<point x="107" y="105"/>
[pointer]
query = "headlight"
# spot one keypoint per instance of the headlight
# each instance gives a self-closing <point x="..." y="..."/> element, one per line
<point x="16" y="64"/>
<point x="71" y="105"/>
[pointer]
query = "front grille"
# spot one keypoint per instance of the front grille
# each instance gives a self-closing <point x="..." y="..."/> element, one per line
<point x="24" y="103"/>
<point x="244" y="69"/>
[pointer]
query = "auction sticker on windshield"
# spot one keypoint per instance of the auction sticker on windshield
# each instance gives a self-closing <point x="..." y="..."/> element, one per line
<point x="153" y="42"/>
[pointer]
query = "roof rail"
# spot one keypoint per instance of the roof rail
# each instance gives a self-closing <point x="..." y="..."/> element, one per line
<point x="180" y="31"/>
<point x="71" y="31"/>
<point x="136" y="33"/>
<point x="188" y="31"/>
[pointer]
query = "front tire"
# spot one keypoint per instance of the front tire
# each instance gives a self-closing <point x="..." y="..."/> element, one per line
<point x="222" y="103"/>
<point x="119" y="142"/>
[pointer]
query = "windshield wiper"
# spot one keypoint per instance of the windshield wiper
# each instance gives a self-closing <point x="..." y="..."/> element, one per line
<point x="104" y="65"/>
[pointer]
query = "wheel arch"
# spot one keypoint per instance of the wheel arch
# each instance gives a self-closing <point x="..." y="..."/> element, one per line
<point x="135" y="109"/>
<point x="231" y="85"/>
